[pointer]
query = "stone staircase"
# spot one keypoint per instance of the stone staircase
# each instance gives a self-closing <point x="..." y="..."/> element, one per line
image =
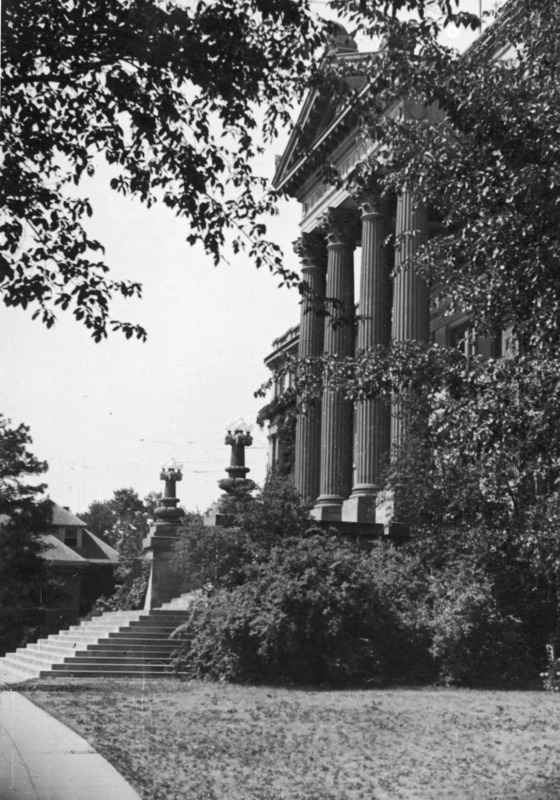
<point x="118" y="644"/>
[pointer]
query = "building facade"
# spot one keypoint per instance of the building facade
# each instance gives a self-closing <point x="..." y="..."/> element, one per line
<point x="342" y="448"/>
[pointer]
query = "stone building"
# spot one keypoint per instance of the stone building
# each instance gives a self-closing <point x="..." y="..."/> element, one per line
<point x="342" y="448"/>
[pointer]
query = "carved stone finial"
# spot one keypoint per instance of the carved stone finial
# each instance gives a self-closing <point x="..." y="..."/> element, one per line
<point x="167" y="511"/>
<point x="341" y="227"/>
<point x="238" y="437"/>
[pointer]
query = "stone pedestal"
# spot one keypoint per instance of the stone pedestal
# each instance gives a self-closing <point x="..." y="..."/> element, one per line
<point x="372" y="416"/>
<point x="336" y="423"/>
<point x="312" y="251"/>
<point x="158" y="547"/>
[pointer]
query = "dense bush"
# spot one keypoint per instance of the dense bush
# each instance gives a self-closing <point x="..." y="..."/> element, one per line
<point x="311" y="611"/>
<point x="211" y="556"/>
<point x="309" y="607"/>
<point x="216" y="556"/>
<point x="277" y="511"/>
<point x="473" y="640"/>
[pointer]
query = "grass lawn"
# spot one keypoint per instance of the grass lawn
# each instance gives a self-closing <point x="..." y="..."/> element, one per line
<point x="196" y="741"/>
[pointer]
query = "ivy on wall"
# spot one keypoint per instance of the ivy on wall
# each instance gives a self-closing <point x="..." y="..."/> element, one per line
<point x="281" y="412"/>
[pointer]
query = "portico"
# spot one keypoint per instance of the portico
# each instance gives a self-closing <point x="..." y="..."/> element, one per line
<point x="342" y="448"/>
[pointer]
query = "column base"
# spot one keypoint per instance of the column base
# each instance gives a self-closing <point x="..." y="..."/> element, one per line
<point x="360" y="508"/>
<point x="385" y="508"/>
<point x="328" y="508"/>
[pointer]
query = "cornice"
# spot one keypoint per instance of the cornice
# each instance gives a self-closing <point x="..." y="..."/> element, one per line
<point x="290" y="179"/>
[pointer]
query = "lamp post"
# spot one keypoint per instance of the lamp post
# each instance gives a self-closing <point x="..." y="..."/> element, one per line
<point x="167" y="512"/>
<point x="238" y="437"/>
<point x="164" y="583"/>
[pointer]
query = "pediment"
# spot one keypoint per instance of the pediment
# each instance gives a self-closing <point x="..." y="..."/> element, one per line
<point x="320" y="125"/>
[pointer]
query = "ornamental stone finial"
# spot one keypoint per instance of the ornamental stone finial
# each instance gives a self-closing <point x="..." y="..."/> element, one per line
<point x="171" y="472"/>
<point x="238" y="437"/>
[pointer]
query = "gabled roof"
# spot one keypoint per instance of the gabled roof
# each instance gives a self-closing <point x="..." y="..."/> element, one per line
<point x="92" y="551"/>
<point x="319" y="126"/>
<point x="95" y="549"/>
<point x="63" y="517"/>
<point x="58" y="553"/>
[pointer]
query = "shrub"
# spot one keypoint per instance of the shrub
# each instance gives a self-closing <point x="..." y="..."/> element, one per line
<point x="217" y="556"/>
<point x="282" y="603"/>
<point x="277" y="511"/>
<point x="213" y="556"/>
<point x="310" y="612"/>
<point x="474" y="641"/>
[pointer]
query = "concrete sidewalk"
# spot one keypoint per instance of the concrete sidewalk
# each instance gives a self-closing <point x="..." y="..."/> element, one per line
<point x="42" y="759"/>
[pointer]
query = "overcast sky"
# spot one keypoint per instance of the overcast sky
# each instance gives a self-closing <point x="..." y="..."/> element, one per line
<point x="105" y="416"/>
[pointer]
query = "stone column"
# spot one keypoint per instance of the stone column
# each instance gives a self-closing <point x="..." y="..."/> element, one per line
<point x="310" y="247"/>
<point x="336" y="423"/>
<point x="411" y="299"/>
<point x="372" y="416"/>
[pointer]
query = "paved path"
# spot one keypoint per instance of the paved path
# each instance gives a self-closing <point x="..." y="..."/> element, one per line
<point x="42" y="759"/>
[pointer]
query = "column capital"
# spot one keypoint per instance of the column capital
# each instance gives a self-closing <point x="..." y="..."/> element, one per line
<point x="370" y="204"/>
<point x="341" y="227"/>
<point x="311" y="249"/>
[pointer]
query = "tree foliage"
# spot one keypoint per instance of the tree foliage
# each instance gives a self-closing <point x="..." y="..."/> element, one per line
<point x="216" y="556"/>
<point x="168" y="95"/>
<point x="124" y="521"/>
<point x="23" y="572"/>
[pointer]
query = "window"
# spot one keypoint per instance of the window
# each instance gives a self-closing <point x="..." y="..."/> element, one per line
<point x="71" y="537"/>
<point x="463" y="339"/>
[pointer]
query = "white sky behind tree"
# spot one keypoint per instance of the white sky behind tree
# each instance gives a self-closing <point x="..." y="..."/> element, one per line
<point x="105" y="416"/>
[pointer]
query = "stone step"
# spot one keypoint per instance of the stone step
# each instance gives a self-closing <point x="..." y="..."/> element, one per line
<point x="118" y="647"/>
<point x="27" y="669"/>
<point x="134" y="659"/>
<point x="100" y="624"/>
<point x="116" y="655"/>
<point x="92" y="667"/>
<point x="110" y="615"/>
<point x="151" y="628"/>
<point x="102" y="672"/>
<point x="165" y="630"/>
<point x="115" y="643"/>
<point x="27" y="662"/>
<point x="108" y="625"/>
<point x="89" y="632"/>
<point x="11" y="675"/>
<point x="129" y="641"/>
<point x="79" y="638"/>
<point x="48" y="649"/>
<point x="138" y="634"/>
